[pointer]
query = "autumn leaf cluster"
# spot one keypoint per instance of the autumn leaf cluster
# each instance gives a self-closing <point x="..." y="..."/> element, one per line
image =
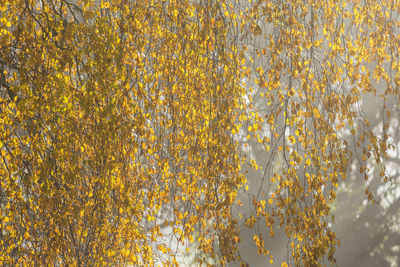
<point x="123" y="123"/>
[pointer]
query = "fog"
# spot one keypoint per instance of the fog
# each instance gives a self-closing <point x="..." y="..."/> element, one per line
<point x="369" y="233"/>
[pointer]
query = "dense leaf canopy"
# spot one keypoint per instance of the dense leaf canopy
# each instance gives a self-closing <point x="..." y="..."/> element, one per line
<point x="124" y="125"/>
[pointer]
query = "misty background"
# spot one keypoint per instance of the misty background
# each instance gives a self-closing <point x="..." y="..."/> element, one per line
<point x="369" y="233"/>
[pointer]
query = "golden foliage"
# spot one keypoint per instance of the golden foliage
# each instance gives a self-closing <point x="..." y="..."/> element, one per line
<point x="313" y="63"/>
<point x="121" y="121"/>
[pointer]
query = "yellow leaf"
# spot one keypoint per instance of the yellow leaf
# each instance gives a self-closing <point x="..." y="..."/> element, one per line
<point x="105" y="4"/>
<point x="257" y="30"/>
<point x="316" y="113"/>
